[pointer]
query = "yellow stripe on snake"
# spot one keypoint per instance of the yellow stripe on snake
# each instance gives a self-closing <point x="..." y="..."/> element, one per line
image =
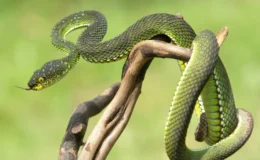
<point x="227" y="128"/>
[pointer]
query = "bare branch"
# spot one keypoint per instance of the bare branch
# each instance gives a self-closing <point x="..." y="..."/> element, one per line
<point x="222" y="35"/>
<point x="78" y="122"/>
<point x="110" y="140"/>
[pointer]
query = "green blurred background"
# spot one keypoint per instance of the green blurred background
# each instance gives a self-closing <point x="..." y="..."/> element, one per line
<point x="33" y="123"/>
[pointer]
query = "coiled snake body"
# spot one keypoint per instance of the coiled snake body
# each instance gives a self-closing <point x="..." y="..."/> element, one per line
<point x="225" y="130"/>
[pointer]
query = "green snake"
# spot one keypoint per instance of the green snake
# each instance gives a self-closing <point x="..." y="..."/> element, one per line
<point x="225" y="130"/>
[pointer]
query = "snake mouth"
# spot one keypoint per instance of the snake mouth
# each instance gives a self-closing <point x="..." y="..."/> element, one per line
<point x="26" y="89"/>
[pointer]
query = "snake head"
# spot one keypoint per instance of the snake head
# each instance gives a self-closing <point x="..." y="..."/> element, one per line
<point x="44" y="77"/>
<point x="39" y="80"/>
<point x="50" y="73"/>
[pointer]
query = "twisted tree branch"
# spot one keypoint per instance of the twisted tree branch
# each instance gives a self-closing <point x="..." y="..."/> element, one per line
<point x="123" y="100"/>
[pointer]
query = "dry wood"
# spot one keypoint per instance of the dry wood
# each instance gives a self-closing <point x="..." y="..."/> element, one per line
<point x="118" y="112"/>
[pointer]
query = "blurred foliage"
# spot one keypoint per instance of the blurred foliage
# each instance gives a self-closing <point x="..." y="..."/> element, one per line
<point x="33" y="123"/>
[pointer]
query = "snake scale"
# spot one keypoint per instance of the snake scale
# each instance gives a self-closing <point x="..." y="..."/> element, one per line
<point x="204" y="81"/>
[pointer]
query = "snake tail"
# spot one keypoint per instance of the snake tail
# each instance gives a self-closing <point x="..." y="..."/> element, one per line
<point x="202" y="128"/>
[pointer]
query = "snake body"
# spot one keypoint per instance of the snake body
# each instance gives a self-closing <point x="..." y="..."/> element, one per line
<point x="205" y="69"/>
<point x="216" y="99"/>
<point x="90" y="49"/>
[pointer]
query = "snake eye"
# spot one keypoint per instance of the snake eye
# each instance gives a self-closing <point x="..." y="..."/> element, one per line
<point x="41" y="79"/>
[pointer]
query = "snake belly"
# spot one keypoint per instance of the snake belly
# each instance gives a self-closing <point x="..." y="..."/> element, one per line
<point x="217" y="102"/>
